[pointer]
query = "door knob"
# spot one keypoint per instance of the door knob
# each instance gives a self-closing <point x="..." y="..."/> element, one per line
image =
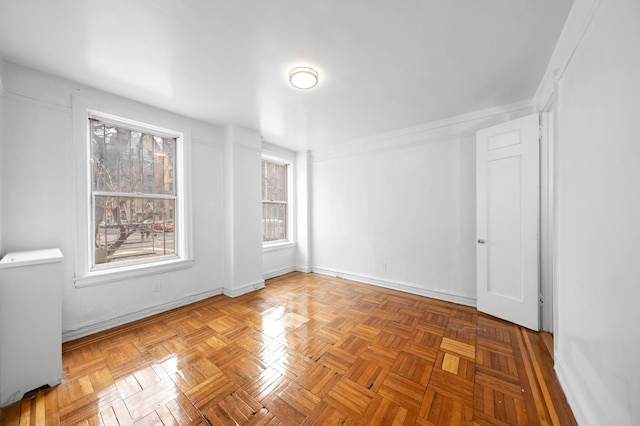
<point x="481" y="241"/>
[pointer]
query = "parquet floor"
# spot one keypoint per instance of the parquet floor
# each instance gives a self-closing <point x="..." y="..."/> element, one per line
<point x="308" y="349"/>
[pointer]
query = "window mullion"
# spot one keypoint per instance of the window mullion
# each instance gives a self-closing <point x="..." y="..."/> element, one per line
<point x="134" y="195"/>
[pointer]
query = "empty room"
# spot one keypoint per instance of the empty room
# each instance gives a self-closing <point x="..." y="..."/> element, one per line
<point x="335" y="212"/>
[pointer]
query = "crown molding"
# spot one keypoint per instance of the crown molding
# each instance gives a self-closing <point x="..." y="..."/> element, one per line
<point x="452" y="128"/>
<point x="576" y="26"/>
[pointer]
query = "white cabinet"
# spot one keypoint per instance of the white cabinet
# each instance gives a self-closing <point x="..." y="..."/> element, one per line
<point x="30" y="322"/>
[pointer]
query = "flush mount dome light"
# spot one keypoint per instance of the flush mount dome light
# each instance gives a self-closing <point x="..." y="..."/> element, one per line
<point x="303" y="77"/>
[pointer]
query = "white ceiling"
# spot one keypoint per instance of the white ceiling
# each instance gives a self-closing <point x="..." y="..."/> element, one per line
<point x="384" y="65"/>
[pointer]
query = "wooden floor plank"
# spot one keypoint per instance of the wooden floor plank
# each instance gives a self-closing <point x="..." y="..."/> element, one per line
<point x="307" y="349"/>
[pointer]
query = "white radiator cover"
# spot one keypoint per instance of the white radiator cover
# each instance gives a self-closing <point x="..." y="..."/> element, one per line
<point x="30" y="322"/>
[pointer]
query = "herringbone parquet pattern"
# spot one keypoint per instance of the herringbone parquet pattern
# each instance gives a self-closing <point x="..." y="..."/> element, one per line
<point x="308" y="349"/>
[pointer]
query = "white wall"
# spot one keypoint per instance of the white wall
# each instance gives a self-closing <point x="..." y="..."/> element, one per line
<point x="39" y="202"/>
<point x="243" y="206"/>
<point x="398" y="209"/>
<point x="1" y="155"/>
<point x="1" y="170"/>
<point x="598" y="207"/>
<point x="303" y="212"/>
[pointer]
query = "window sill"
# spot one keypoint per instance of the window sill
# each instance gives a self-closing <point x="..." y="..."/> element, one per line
<point x="278" y="246"/>
<point x="128" y="272"/>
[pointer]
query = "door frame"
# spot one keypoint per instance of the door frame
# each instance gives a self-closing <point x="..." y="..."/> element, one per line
<point x="548" y="216"/>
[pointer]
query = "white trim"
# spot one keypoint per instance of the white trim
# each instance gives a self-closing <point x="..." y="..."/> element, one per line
<point x="278" y="272"/>
<point x="281" y="161"/>
<point x="133" y="195"/>
<point x="546" y="217"/>
<point x="273" y="157"/>
<point x="448" y="122"/>
<point x="595" y="5"/>
<point x="400" y="286"/>
<point x="82" y="109"/>
<point x="247" y="288"/>
<point x="36" y="102"/>
<point x="277" y="245"/>
<point x="132" y="271"/>
<point x="86" y="330"/>
<point x="438" y="131"/>
<point x="135" y="125"/>
<point x="278" y="152"/>
<point x="578" y="22"/>
<point x="577" y="401"/>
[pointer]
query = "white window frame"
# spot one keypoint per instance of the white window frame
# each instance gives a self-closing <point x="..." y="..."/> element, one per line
<point x="278" y="158"/>
<point x="138" y="118"/>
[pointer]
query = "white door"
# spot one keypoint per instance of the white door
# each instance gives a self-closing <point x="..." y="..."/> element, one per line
<point x="507" y="185"/>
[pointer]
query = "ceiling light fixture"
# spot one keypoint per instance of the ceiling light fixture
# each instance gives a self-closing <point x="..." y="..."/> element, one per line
<point x="303" y="77"/>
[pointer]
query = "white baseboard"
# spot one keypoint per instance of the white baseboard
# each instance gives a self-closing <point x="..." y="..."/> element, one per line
<point x="86" y="330"/>
<point x="278" y="272"/>
<point x="247" y="288"/>
<point x="400" y="286"/>
<point x="283" y="271"/>
<point x="572" y="391"/>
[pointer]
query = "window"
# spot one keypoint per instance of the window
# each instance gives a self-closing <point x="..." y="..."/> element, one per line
<point x="275" y="197"/>
<point x="133" y="193"/>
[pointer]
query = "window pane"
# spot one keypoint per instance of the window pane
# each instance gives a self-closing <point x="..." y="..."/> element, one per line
<point x="133" y="164"/>
<point x="274" y="181"/>
<point x="98" y="156"/>
<point x="163" y="165"/>
<point x="274" y="224"/>
<point x="130" y="161"/>
<point x="129" y="228"/>
<point x="121" y="159"/>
